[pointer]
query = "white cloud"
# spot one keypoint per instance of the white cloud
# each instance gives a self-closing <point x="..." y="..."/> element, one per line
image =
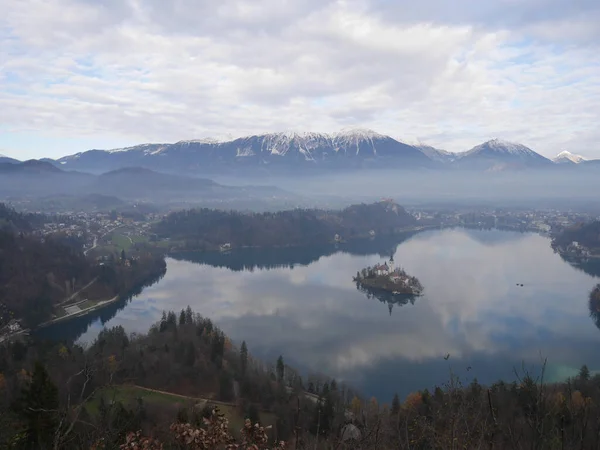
<point x="452" y="76"/>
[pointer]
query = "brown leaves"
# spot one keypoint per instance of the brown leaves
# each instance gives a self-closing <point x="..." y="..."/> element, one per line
<point x="112" y="364"/>
<point x="214" y="436"/>
<point x="135" y="441"/>
<point x="413" y="400"/>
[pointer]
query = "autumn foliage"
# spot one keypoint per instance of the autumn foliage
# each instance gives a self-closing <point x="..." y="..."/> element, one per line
<point x="214" y="435"/>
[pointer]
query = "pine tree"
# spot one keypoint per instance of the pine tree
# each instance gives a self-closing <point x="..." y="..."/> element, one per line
<point x="189" y="315"/>
<point x="243" y="358"/>
<point x="280" y="369"/>
<point x="171" y="320"/>
<point x="217" y="349"/>
<point x="38" y="409"/>
<point x="163" y="322"/>
<point x="333" y="385"/>
<point x="584" y="373"/>
<point x="182" y="317"/>
<point x="395" y="405"/>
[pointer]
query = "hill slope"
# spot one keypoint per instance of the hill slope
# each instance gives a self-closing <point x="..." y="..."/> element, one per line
<point x="7" y="159"/>
<point x="42" y="179"/>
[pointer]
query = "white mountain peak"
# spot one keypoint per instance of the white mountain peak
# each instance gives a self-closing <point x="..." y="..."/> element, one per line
<point x="566" y="156"/>
<point x="503" y="146"/>
<point x="502" y="143"/>
<point x="358" y="133"/>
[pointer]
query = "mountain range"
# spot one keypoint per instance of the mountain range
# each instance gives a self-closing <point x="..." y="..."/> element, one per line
<point x="309" y="152"/>
<point x="35" y="179"/>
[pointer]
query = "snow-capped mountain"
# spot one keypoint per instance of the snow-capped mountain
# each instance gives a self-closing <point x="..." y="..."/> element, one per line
<point x="497" y="154"/>
<point x="566" y="157"/>
<point x="294" y="151"/>
<point x="273" y="151"/>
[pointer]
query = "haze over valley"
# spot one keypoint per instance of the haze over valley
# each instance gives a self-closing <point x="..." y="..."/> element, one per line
<point x="299" y="225"/>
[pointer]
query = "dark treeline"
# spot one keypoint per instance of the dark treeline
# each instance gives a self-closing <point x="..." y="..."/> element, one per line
<point x="594" y="305"/>
<point x="14" y="221"/>
<point x="205" y="229"/>
<point x="68" y="397"/>
<point x="11" y="220"/>
<point x="587" y="235"/>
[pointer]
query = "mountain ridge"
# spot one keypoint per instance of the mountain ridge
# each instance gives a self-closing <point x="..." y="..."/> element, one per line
<point x="36" y="178"/>
<point x="305" y="152"/>
<point x="287" y="151"/>
<point x="497" y="154"/>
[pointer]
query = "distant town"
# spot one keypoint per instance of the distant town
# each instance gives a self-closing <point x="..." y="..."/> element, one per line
<point x="98" y="229"/>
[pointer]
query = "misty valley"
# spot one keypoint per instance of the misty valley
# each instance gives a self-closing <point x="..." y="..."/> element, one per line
<point x="299" y="225"/>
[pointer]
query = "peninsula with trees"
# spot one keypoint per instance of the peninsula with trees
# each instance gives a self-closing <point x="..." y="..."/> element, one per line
<point x="581" y="241"/>
<point x="208" y="229"/>
<point x="388" y="277"/>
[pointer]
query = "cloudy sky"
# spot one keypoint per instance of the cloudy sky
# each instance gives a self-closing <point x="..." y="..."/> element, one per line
<point x="81" y="74"/>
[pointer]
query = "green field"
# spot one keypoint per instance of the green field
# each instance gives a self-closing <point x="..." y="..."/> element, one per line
<point x="119" y="241"/>
<point x="129" y="395"/>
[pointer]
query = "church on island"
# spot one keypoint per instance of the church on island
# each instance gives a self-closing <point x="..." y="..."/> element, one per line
<point x="388" y="269"/>
<point x="388" y="277"/>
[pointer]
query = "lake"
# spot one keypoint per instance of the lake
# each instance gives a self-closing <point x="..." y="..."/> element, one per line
<point x="302" y="303"/>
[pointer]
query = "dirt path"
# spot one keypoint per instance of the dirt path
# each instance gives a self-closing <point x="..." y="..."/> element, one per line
<point x="68" y="299"/>
<point x="186" y="397"/>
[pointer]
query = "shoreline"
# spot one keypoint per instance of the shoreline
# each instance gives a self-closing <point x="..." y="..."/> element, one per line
<point x="100" y="304"/>
<point x="331" y="242"/>
<point x="384" y="288"/>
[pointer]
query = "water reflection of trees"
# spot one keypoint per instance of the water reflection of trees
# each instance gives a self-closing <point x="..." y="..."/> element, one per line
<point x="590" y="266"/>
<point x="249" y="259"/>
<point x="72" y="329"/>
<point x="594" y="305"/>
<point x="387" y="297"/>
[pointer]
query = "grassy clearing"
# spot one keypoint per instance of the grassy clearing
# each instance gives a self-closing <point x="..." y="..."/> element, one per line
<point x="129" y="395"/>
<point x="137" y="239"/>
<point x="120" y="241"/>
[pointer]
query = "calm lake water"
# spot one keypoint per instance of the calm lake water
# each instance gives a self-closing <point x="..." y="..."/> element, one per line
<point x="301" y="303"/>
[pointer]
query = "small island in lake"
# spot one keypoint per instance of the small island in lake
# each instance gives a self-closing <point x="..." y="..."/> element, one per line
<point x="389" y="278"/>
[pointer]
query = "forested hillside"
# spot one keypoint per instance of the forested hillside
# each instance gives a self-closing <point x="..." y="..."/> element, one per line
<point x="587" y="235"/>
<point x="207" y="228"/>
<point x="159" y="391"/>
<point x="34" y="276"/>
<point x="11" y="220"/>
<point x="36" y="273"/>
